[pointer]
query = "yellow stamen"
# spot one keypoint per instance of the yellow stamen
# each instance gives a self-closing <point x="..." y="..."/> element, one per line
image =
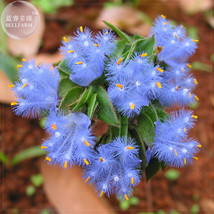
<point x="195" y="40"/>
<point x="194" y="116"/>
<point x="185" y="161"/>
<point x="48" y="159"/>
<point x="24" y="60"/>
<point x="185" y="129"/>
<point x="53" y="126"/>
<point x="126" y="197"/>
<point x="196" y="97"/>
<point x="101" y="194"/>
<point x="66" y="164"/>
<point x="106" y="32"/>
<point x="11" y="86"/>
<point x="78" y="63"/>
<point x="18" y="66"/>
<point x="196" y="158"/>
<point x="25" y="85"/>
<point x="176" y="36"/>
<point x="65" y="39"/>
<point x="195" y="81"/>
<point x="159" y="49"/>
<point x="13" y="103"/>
<point x="159" y="69"/>
<point x="190" y="95"/>
<point x="130" y="147"/>
<point x="44" y="147"/>
<point x="97" y="45"/>
<point x="144" y="54"/>
<point x="176" y="153"/>
<point x="163" y="16"/>
<point x="71" y="51"/>
<point x="119" y="61"/>
<point x="86" y="143"/>
<point x="88" y="178"/>
<point x="132" y="180"/>
<point x="86" y="161"/>
<point x="38" y="64"/>
<point x="177" y="87"/>
<point x="119" y="86"/>
<point x="199" y="146"/>
<point x="101" y="159"/>
<point x="159" y="84"/>
<point x="81" y="29"/>
<point x="132" y="106"/>
<point x="190" y="66"/>
<point x="182" y="69"/>
<point x="165" y="23"/>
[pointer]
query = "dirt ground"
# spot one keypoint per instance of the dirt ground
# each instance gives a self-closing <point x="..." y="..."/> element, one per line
<point x="17" y="134"/>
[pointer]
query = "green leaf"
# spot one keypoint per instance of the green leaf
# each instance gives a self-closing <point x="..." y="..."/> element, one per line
<point x="30" y="190"/>
<point x="63" y="69"/>
<point x="37" y="180"/>
<point x="92" y="104"/>
<point x="121" y="44"/>
<point x="134" y="201"/>
<point x="146" y="44"/>
<point x="201" y="66"/>
<point x="32" y="152"/>
<point x="120" y="33"/>
<point x="83" y="98"/>
<point x="71" y="97"/>
<point x="151" y="112"/>
<point x="45" y="211"/>
<point x="42" y="122"/>
<point x="3" y="158"/>
<point x="195" y="209"/>
<point x="146" y="129"/>
<point x="124" y="205"/>
<point x="65" y="85"/>
<point x="8" y="66"/>
<point x="152" y="168"/>
<point x="163" y="165"/>
<point x="106" y="112"/>
<point x="172" y="174"/>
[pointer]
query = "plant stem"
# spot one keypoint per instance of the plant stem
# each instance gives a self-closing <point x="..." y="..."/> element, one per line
<point x="124" y="126"/>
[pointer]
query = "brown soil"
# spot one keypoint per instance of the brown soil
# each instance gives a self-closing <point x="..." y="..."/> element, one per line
<point x="17" y="134"/>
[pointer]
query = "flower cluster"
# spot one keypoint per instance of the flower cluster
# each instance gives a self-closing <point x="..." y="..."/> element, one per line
<point x="174" y="48"/>
<point x="85" y="55"/>
<point x="171" y="143"/>
<point x="133" y="83"/>
<point x="36" y="90"/>
<point x="114" y="168"/>
<point x="135" y="80"/>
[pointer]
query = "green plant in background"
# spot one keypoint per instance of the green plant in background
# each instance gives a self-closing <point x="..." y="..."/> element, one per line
<point x="126" y="83"/>
<point x="51" y="6"/>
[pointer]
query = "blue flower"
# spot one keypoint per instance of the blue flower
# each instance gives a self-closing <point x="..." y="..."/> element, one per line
<point x="36" y="90"/>
<point x="71" y="141"/>
<point x="133" y="83"/>
<point x="176" y="47"/>
<point x="85" y="55"/>
<point x="171" y="143"/>
<point x="114" y="168"/>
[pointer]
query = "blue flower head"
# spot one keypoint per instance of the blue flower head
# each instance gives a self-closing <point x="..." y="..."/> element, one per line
<point x="114" y="168"/>
<point x="85" y="55"/>
<point x="36" y="90"/>
<point x="133" y="83"/>
<point x="171" y="143"/>
<point x="71" y="141"/>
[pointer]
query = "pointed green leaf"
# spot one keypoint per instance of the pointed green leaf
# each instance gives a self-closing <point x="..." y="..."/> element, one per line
<point x="146" y="129"/>
<point x="152" y="168"/>
<point x="3" y="158"/>
<point x="63" y="69"/>
<point x="106" y="112"/>
<point x="151" y="112"/>
<point x="65" y="85"/>
<point x="120" y="33"/>
<point x="32" y="152"/>
<point x="71" y="97"/>
<point x="146" y="44"/>
<point x="92" y="105"/>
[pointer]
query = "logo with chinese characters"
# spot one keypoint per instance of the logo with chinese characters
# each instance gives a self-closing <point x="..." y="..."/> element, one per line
<point x="20" y="19"/>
